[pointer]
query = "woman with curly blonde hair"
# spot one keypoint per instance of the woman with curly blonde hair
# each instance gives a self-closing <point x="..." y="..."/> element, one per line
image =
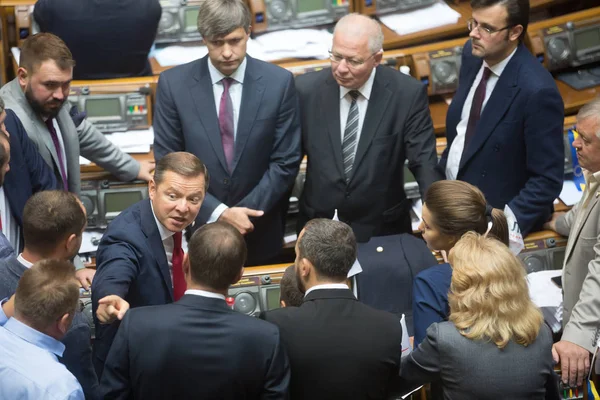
<point x="495" y="344"/>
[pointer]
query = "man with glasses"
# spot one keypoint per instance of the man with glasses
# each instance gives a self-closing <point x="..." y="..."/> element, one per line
<point x="360" y="122"/>
<point x="505" y="124"/>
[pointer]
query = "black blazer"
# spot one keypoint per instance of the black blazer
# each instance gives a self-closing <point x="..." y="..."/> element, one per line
<point x="196" y="348"/>
<point x="397" y="127"/>
<point x="338" y="347"/>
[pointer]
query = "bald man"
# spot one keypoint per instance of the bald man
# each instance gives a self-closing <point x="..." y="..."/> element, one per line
<point x="360" y="122"/>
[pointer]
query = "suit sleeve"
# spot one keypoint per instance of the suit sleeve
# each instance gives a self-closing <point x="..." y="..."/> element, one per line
<point x="419" y="142"/>
<point x="168" y="134"/>
<point x="42" y="177"/>
<point x="115" y="383"/>
<point x="41" y="14"/>
<point x="565" y="222"/>
<point x="118" y="266"/>
<point x="285" y="155"/>
<point x="544" y="152"/>
<point x="77" y="358"/>
<point x="277" y="380"/>
<point x="423" y="364"/>
<point x="429" y="306"/>
<point x="95" y="147"/>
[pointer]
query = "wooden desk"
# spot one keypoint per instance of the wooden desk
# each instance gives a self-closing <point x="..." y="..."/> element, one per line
<point x="94" y="172"/>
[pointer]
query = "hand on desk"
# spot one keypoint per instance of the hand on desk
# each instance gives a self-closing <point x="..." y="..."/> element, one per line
<point x="111" y="308"/>
<point x="146" y="170"/>
<point x="85" y="277"/>
<point x="239" y="217"/>
<point x="574" y="362"/>
<point x="551" y="225"/>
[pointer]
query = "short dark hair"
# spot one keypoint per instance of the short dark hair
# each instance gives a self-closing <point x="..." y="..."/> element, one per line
<point x="218" y="18"/>
<point x="46" y="291"/>
<point x="517" y="10"/>
<point x="182" y="163"/>
<point x="42" y="47"/>
<point x="217" y="253"/>
<point x="50" y="217"/>
<point x="330" y="246"/>
<point x="290" y="292"/>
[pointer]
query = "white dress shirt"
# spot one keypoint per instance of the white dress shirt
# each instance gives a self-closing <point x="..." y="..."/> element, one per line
<point x="362" y="103"/>
<point x="24" y="262"/>
<point x="10" y="227"/>
<point x="456" y="150"/>
<point x="327" y="286"/>
<point x="167" y="240"/>
<point x="235" y="92"/>
<point x="204" y="293"/>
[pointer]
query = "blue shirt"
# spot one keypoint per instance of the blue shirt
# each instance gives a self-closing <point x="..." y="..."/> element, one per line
<point x="430" y="299"/>
<point x="29" y="368"/>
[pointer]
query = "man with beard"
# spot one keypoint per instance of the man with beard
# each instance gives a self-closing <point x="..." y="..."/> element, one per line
<point x="338" y="347"/>
<point x="505" y="124"/>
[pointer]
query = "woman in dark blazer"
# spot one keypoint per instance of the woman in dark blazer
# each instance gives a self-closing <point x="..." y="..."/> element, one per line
<point x="495" y="344"/>
<point x="450" y="209"/>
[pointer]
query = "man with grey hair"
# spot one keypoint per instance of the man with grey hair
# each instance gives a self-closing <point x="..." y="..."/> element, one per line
<point x="240" y="116"/>
<point x="360" y="122"/>
<point x="581" y="270"/>
<point x="338" y="347"/>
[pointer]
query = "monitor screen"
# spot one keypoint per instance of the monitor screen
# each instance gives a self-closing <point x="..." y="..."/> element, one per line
<point x="587" y="39"/>
<point x="115" y="202"/>
<point x="190" y="19"/>
<point x="106" y="107"/>
<point x="273" y="294"/>
<point x="309" y="6"/>
<point x="558" y="258"/>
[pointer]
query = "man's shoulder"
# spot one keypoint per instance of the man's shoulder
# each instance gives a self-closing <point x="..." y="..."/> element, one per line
<point x="183" y="72"/>
<point x="127" y="224"/>
<point x="314" y="79"/>
<point x="269" y="70"/>
<point x="401" y="82"/>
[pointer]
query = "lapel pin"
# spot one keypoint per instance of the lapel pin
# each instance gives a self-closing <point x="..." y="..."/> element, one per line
<point x="379" y="249"/>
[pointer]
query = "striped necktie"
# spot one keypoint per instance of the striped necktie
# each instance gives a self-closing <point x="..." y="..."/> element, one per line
<point x="350" y="134"/>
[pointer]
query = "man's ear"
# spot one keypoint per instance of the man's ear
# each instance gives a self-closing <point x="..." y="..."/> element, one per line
<point x="71" y="244"/>
<point x="305" y="267"/>
<point x="23" y="76"/>
<point x="282" y="303"/>
<point x="64" y="323"/>
<point x="186" y="266"/>
<point x="239" y="276"/>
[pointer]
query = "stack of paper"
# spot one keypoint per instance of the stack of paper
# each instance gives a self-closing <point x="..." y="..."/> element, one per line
<point x="438" y="14"/>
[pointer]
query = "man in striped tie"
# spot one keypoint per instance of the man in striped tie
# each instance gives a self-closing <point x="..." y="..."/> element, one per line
<point x="360" y="123"/>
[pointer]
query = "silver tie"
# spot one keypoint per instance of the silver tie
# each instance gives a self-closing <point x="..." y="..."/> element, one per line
<point x="349" y="142"/>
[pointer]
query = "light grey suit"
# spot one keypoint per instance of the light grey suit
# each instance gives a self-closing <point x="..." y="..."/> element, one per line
<point x="581" y="273"/>
<point x="84" y="139"/>
<point x="476" y="369"/>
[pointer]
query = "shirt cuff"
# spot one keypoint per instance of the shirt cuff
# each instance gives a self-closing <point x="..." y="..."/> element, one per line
<point x="3" y="317"/>
<point x="216" y="214"/>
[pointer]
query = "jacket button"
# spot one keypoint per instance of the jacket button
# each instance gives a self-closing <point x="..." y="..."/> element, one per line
<point x="496" y="148"/>
<point x="226" y="181"/>
<point x="347" y="195"/>
<point x="483" y="174"/>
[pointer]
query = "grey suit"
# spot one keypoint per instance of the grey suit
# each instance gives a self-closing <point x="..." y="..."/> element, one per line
<point x="581" y="273"/>
<point x="475" y="369"/>
<point x="84" y="139"/>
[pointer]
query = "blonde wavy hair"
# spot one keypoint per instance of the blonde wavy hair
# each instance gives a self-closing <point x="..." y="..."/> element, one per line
<point x="489" y="297"/>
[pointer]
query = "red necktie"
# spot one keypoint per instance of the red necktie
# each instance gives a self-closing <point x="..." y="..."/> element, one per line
<point x="476" y="106"/>
<point x="179" y="285"/>
<point x="61" y="166"/>
<point x="226" y="121"/>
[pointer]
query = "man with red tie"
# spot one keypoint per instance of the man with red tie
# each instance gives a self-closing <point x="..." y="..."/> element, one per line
<point x="140" y="257"/>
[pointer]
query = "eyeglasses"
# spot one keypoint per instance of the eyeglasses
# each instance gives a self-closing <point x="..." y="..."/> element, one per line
<point x="483" y="30"/>
<point x="352" y="63"/>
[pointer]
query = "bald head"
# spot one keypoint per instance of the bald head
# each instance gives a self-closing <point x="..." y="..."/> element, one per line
<point x="361" y="28"/>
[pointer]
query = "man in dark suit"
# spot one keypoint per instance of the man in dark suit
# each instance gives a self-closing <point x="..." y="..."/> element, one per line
<point x="505" y="123"/>
<point x="140" y="256"/>
<point x="360" y="123"/>
<point x="338" y="347"/>
<point x="53" y="223"/>
<point x="240" y="116"/>
<point x="186" y="350"/>
<point x="23" y="172"/>
<point x="122" y="32"/>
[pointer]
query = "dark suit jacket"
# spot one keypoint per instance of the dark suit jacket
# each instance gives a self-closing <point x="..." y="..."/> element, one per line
<point x="196" y="348"/>
<point x="478" y="370"/>
<point x="267" y="145"/>
<point x="28" y="173"/>
<point x="131" y="263"/>
<point x="397" y="127"/>
<point x="516" y="156"/>
<point x="77" y="356"/>
<point x="108" y="38"/>
<point x="338" y="347"/>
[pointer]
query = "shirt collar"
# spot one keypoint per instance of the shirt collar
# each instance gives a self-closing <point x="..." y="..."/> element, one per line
<point x="365" y="90"/>
<point x="204" y="293"/>
<point x="162" y="230"/>
<point x="327" y="286"/>
<point x="34" y="337"/>
<point x="216" y="75"/>
<point x="499" y="68"/>
<point x="24" y="262"/>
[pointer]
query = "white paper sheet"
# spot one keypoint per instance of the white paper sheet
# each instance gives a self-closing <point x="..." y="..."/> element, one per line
<point x="569" y="193"/>
<point x="438" y="14"/>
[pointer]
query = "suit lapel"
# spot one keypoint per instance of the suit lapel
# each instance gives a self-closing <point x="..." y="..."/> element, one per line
<point x="252" y="93"/>
<point x="155" y="244"/>
<point x="330" y="112"/>
<point x="376" y="109"/>
<point x="204" y="99"/>
<point x="580" y="222"/>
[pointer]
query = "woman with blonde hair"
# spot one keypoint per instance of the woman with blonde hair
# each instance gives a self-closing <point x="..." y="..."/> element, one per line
<point x="495" y="344"/>
<point x="450" y="209"/>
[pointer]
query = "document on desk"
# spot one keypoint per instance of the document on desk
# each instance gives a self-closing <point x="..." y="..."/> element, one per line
<point x="438" y="14"/>
<point x="547" y="296"/>
<point x="569" y="193"/>
<point x="134" y="141"/>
